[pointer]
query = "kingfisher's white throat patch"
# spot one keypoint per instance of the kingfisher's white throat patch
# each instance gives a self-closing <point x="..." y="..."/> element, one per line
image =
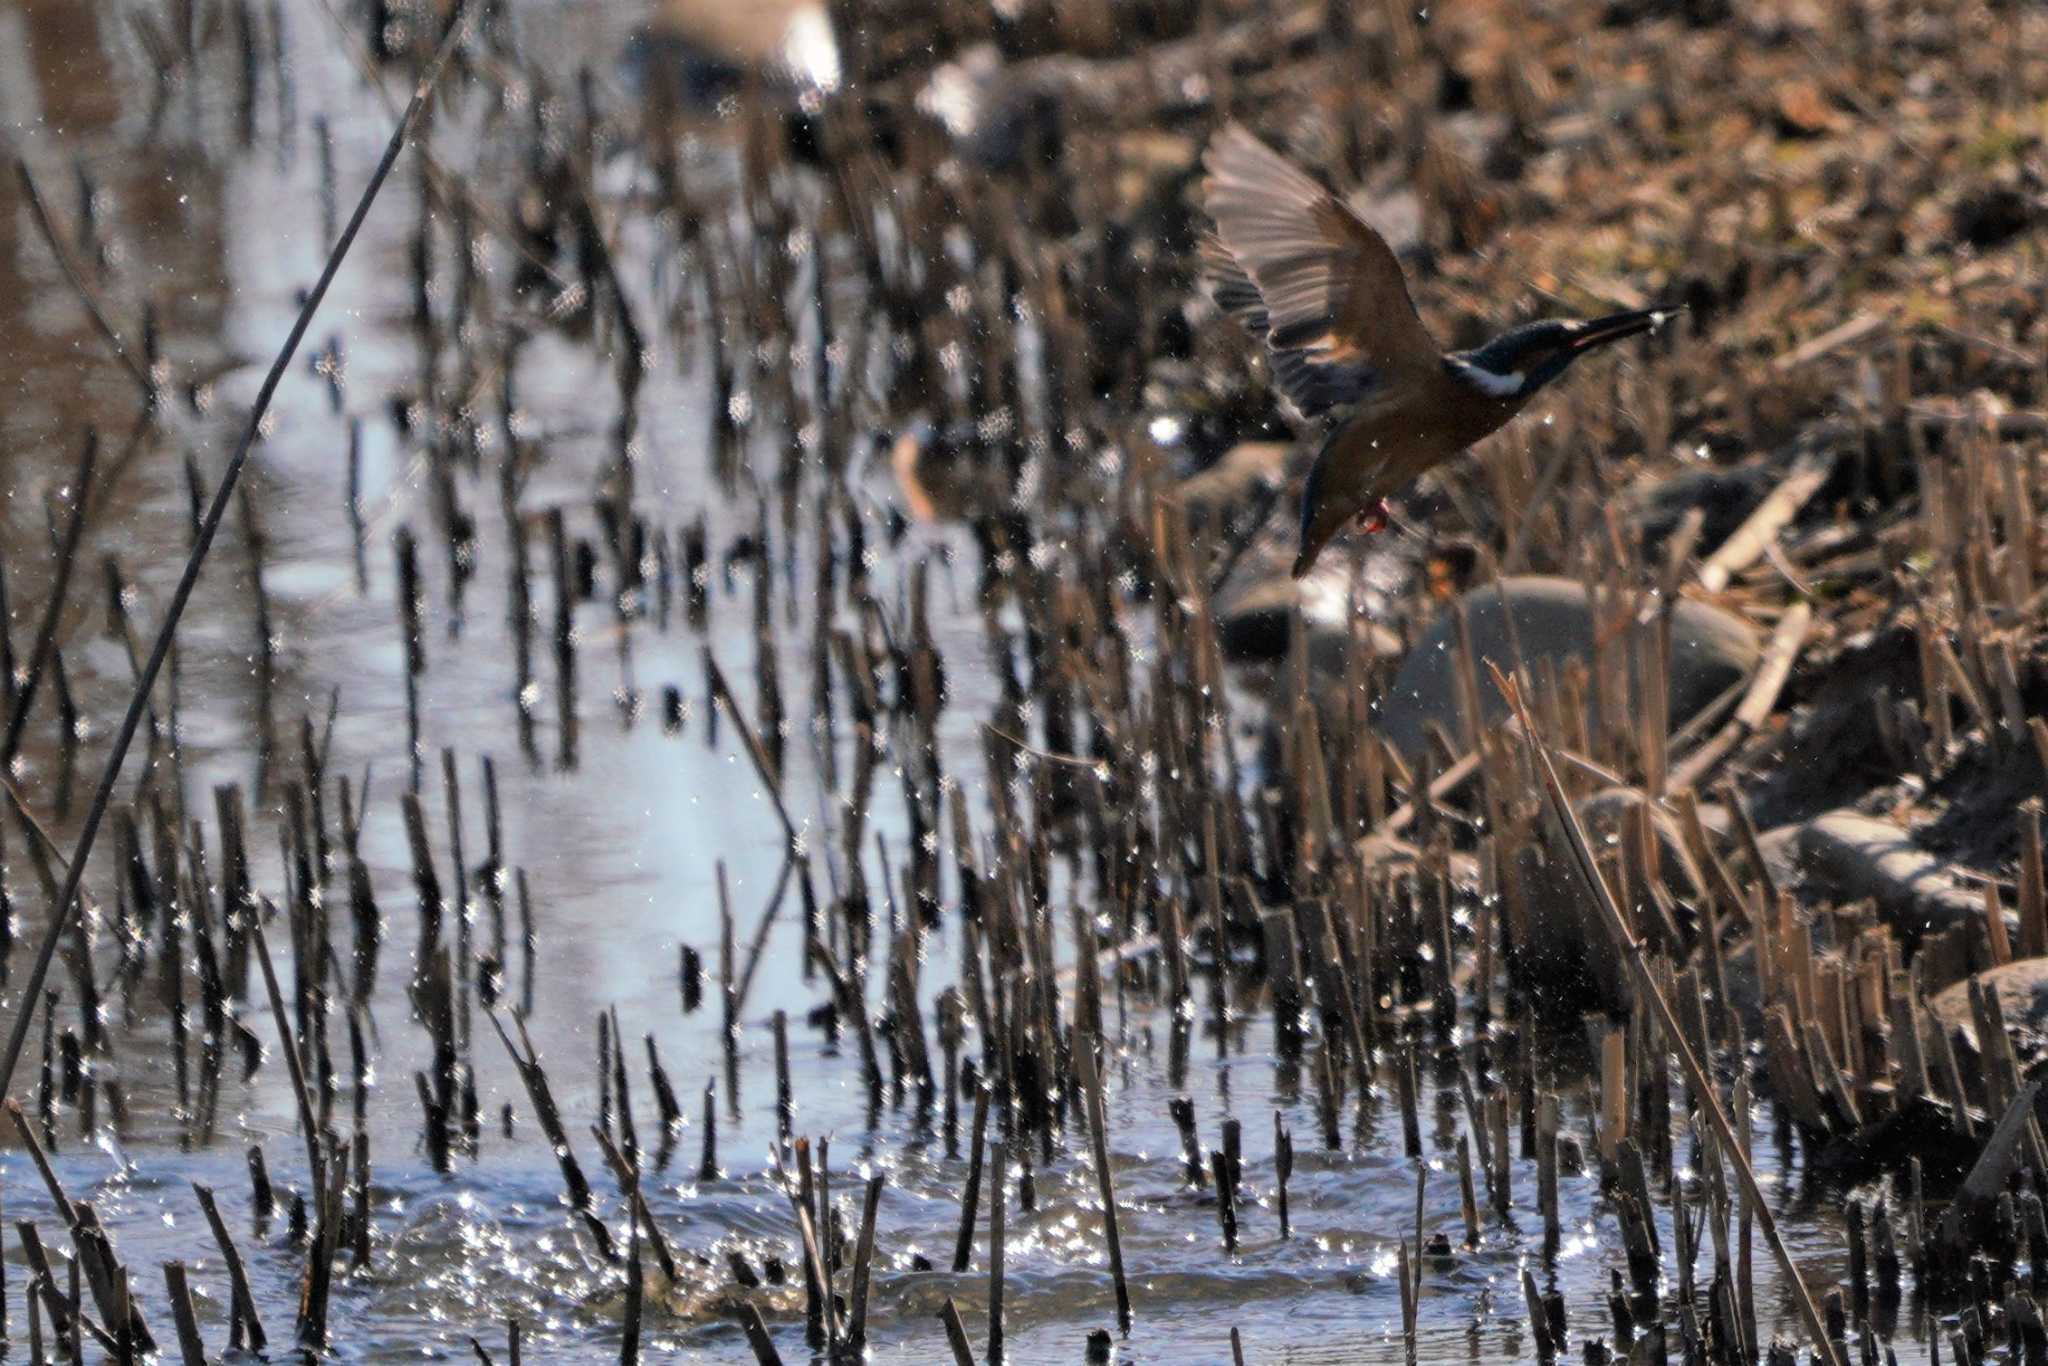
<point x="1489" y="383"/>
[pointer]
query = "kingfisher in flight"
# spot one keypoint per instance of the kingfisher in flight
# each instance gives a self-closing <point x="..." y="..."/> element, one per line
<point x="1307" y="277"/>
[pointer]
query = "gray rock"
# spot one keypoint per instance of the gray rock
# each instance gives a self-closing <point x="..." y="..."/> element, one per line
<point x="2022" y="989"/>
<point x="1569" y="956"/>
<point x="1255" y="615"/>
<point x="1851" y="857"/>
<point x="1551" y="618"/>
<point x="1724" y="496"/>
<point x="1236" y="479"/>
<point x="1780" y="847"/>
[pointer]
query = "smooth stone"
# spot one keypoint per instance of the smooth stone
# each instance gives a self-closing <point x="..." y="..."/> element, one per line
<point x="2022" y="989"/>
<point x="1569" y="957"/>
<point x="1851" y="857"/>
<point x="1255" y="617"/>
<point x="1724" y="496"/>
<point x="1241" y="474"/>
<point x="1780" y="847"/>
<point x="1552" y="618"/>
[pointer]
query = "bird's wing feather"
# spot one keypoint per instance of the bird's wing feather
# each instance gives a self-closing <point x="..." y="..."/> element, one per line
<point x="1329" y="289"/>
<point x="1312" y="387"/>
<point x="1232" y="289"/>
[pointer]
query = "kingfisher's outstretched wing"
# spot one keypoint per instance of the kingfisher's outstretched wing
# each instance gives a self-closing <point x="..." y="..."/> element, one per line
<point x="1301" y="270"/>
<point x="1313" y="387"/>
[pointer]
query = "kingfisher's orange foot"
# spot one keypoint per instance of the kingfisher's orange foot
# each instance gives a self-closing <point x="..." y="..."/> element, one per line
<point x="1375" y="518"/>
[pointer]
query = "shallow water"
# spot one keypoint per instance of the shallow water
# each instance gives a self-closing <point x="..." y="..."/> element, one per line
<point x="623" y="850"/>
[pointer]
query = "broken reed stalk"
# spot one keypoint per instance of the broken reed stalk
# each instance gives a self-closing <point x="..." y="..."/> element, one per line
<point x="863" y="1268"/>
<point x="813" y="1248"/>
<point x="66" y="904"/>
<point x="191" y="1348"/>
<point x="315" y="1164"/>
<point x="963" y="1249"/>
<point x="94" y="1251"/>
<point x="66" y="1313"/>
<point x="1283" y="1167"/>
<point x="1098" y="1134"/>
<point x="1226" y="1200"/>
<point x="956" y="1334"/>
<point x="629" y="1182"/>
<point x="242" y="1304"/>
<point x="527" y="1063"/>
<point x="756" y="754"/>
<point x="757" y="1337"/>
<point x="1702" y="1085"/>
<point x="995" y="1254"/>
<point x="318" y="1280"/>
<point x="42" y="1162"/>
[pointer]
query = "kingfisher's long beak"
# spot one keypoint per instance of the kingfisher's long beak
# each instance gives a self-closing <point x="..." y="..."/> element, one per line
<point x="1598" y="332"/>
